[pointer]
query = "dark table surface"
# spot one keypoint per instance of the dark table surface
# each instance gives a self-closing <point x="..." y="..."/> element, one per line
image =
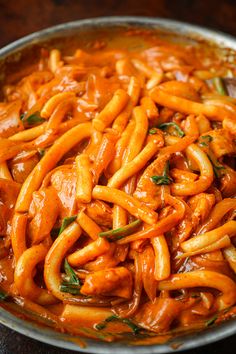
<point x="21" y="17"/>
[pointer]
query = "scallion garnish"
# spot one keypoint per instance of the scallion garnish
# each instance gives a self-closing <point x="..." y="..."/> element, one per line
<point x="152" y="131"/>
<point x="33" y="119"/>
<point x="164" y="179"/>
<point x="66" y="222"/>
<point x="117" y="234"/>
<point x="219" y="85"/>
<point x="161" y="180"/>
<point x="204" y="140"/>
<point x="113" y="318"/>
<point x="165" y="126"/>
<point x="73" y="278"/>
<point x="71" y="284"/>
<point x="217" y="168"/>
<point x="211" y="321"/>
<point x="55" y="232"/>
<point x="71" y="289"/>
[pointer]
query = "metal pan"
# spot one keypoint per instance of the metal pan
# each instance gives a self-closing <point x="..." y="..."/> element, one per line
<point x="11" y="56"/>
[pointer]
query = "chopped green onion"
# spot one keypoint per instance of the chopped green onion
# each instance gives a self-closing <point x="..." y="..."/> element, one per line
<point x="112" y="318"/>
<point x="66" y="222"/>
<point x="33" y="119"/>
<point x="3" y="295"/>
<point x="217" y="168"/>
<point x="179" y="131"/>
<point x="152" y="131"/>
<point x="22" y="116"/>
<point x="206" y="139"/>
<point x="132" y="325"/>
<point x="219" y="85"/>
<point x="164" y="179"/>
<point x="202" y="144"/>
<point x="117" y="234"/>
<point x="211" y="321"/>
<point x="73" y="278"/>
<point x="71" y="289"/>
<point x="161" y="180"/>
<point x="72" y="283"/>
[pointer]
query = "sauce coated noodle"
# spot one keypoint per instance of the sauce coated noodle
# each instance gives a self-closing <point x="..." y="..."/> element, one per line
<point x="117" y="191"/>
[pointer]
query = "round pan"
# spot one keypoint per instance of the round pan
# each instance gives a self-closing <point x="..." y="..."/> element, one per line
<point x="67" y="341"/>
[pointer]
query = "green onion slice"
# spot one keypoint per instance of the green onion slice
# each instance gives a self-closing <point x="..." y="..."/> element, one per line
<point x="113" y="318"/>
<point x="165" y="126"/>
<point x="217" y="167"/>
<point x="219" y="86"/>
<point x="73" y="278"/>
<point x="117" y="234"/>
<point x="32" y="119"/>
<point x="204" y="140"/>
<point x="66" y="222"/>
<point x="152" y="131"/>
<point x="71" y="284"/>
<point x="211" y="321"/>
<point x="164" y="179"/>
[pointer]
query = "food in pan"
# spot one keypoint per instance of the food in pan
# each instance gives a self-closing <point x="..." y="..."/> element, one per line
<point x="117" y="186"/>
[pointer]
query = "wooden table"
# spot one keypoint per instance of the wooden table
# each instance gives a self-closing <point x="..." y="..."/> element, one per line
<point x="21" y="17"/>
